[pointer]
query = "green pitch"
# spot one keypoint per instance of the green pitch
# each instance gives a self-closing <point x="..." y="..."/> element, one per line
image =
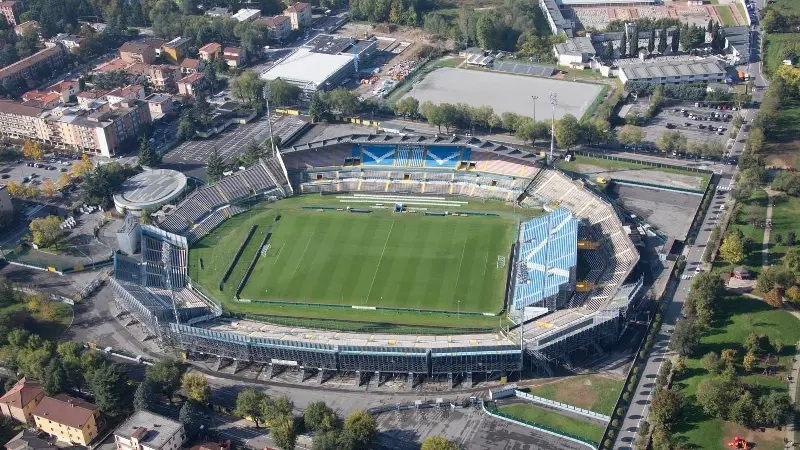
<point x="384" y="259"/>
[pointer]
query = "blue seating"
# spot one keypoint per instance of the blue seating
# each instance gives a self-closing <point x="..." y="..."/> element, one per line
<point x="439" y="156"/>
<point x="378" y="155"/>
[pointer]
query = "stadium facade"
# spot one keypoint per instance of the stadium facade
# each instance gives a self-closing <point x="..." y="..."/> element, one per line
<point x="556" y="313"/>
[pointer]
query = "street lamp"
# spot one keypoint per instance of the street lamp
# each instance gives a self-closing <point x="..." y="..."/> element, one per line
<point x="534" y="97"/>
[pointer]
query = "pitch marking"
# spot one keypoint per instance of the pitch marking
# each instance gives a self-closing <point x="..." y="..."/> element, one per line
<point x="379" y="261"/>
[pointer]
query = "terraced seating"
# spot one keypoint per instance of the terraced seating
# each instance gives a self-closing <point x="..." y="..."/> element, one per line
<point x="328" y="157"/>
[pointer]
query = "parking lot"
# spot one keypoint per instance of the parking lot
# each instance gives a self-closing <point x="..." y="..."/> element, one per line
<point x="190" y="157"/>
<point x="51" y="168"/>
<point x="697" y="124"/>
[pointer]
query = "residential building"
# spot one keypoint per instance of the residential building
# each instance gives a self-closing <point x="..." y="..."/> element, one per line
<point x="20" y="121"/>
<point x="29" y="440"/>
<point x="97" y="26"/>
<point x="299" y="14"/>
<point x="218" y="12"/>
<point x="188" y="85"/>
<point x="210" y="52"/>
<point x="26" y="70"/>
<point x="737" y="44"/>
<point x="90" y="97"/>
<point x="148" y="431"/>
<point x="44" y="100"/>
<point x="131" y="92"/>
<point x="247" y="15"/>
<point x="8" y="217"/>
<point x="177" y="48"/>
<point x="11" y="10"/>
<point x="25" y="26"/>
<point x="66" y="89"/>
<point x="67" y="419"/>
<point x="233" y="56"/>
<point x="160" y="105"/>
<point x="137" y="52"/>
<point x="70" y="41"/>
<point x="191" y="65"/>
<point x="706" y="70"/>
<point x="280" y="27"/>
<point x="155" y="44"/>
<point x="20" y="401"/>
<point x="162" y="77"/>
<point x="577" y="50"/>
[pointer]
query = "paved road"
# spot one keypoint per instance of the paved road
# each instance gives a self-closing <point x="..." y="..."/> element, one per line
<point x="641" y="400"/>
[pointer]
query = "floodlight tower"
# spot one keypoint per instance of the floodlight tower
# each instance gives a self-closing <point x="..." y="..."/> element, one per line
<point x="266" y="94"/>
<point x="553" y="102"/>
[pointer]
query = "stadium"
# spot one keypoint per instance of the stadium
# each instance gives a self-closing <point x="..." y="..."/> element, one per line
<point x="380" y="254"/>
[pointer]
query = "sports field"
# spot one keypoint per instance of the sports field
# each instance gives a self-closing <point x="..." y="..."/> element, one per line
<point x="378" y="259"/>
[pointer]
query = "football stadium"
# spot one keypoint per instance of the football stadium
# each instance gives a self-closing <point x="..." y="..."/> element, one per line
<point x="384" y="254"/>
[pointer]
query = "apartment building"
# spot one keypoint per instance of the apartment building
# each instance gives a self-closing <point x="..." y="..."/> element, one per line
<point x="191" y="65"/>
<point x="177" y="48"/>
<point x="280" y="27"/>
<point x="20" y="401"/>
<point x="137" y="52"/>
<point x="233" y="57"/>
<point x="160" y="105"/>
<point x="299" y="14"/>
<point x="88" y="98"/>
<point x="162" y="77"/>
<point x="148" y="431"/>
<point x="67" y="419"/>
<point x="26" y="69"/>
<point x="40" y="99"/>
<point x="188" y="85"/>
<point x="20" y="121"/>
<point x="210" y="52"/>
<point x="66" y="89"/>
<point x="11" y="10"/>
<point x="132" y="92"/>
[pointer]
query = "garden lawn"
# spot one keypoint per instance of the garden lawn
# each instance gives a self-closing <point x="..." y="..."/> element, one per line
<point x="774" y="47"/>
<point x="753" y="256"/>
<point x="783" y="143"/>
<point x="575" y="427"/>
<point x="738" y="317"/>
<point x="785" y="218"/>
<point x="593" y="392"/>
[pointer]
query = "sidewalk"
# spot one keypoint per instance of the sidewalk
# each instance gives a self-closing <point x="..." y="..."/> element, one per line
<point x="794" y="373"/>
<point x="767" y="229"/>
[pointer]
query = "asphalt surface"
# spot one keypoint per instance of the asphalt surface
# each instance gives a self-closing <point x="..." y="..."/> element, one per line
<point x="640" y="403"/>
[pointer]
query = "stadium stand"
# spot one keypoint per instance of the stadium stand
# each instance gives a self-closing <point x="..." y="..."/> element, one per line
<point x="438" y="156"/>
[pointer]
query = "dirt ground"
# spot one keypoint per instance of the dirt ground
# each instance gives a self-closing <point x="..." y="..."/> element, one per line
<point x="783" y="156"/>
<point x="769" y="439"/>
<point x="644" y="176"/>
<point x="700" y="15"/>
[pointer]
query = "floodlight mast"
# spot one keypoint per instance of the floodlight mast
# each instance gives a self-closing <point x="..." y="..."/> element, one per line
<point x="266" y="93"/>
<point x="553" y="102"/>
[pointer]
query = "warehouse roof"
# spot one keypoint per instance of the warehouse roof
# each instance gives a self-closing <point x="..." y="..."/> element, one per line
<point x="675" y="68"/>
<point x="576" y="47"/>
<point x="305" y="66"/>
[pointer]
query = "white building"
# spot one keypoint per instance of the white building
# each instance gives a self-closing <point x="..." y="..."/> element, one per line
<point x="706" y="70"/>
<point x="247" y="15"/>
<point x="578" y="50"/>
<point x="148" y="431"/>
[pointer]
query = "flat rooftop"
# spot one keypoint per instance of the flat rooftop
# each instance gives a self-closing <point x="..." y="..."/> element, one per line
<point x="328" y="44"/>
<point x="150" y="187"/>
<point x="677" y="68"/>
<point x="152" y="430"/>
<point x="305" y="66"/>
<point x="576" y="46"/>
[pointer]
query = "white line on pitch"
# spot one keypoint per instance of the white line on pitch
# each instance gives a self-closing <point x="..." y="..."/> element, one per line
<point x="379" y="261"/>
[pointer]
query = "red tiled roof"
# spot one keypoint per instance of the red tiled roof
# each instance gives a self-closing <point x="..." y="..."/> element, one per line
<point x="274" y="21"/>
<point x="297" y="7"/>
<point x="24" y="391"/>
<point x="7" y="106"/>
<point x="211" y="47"/>
<point x="65" y="410"/>
<point x="191" y="78"/>
<point x="191" y="63"/>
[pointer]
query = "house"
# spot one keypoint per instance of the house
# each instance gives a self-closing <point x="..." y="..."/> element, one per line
<point x="90" y="97"/>
<point x="137" y="52"/>
<point x="160" y="105"/>
<point x="162" y="77"/>
<point x="29" y="440"/>
<point x="577" y="50"/>
<point x="155" y="44"/>
<point x="246" y="15"/>
<point x="210" y="51"/>
<point x="66" y="89"/>
<point x="148" y="431"/>
<point x="233" y="56"/>
<point x="70" y="41"/>
<point x="131" y="92"/>
<point x="11" y="10"/>
<point x="177" y="48"/>
<point x="741" y="273"/>
<point x="280" y="27"/>
<point x="190" y="66"/>
<point x="188" y="85"/>
<point x="25" y="26"/>
<point x="737" y="44"/>
<point x="40" y="99"/>
<point x="20" y="401"/>
<point x="299" y="14"/>
<point x="67" y="419"/>
<point x="218" y="12"/>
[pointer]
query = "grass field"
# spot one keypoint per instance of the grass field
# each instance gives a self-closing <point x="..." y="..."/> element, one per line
<point x="785" y="218"/>
<point x="738" y="317"/>
<point x="725" y="15"/>
<point x="612" y="165"/>
<point x="774" y="47"/>
<point x="757" y="203"/>
<point x="783" y="145"/>
<point x="593" y="392"/>
<point x="554" y="420"/>
<point x="378" y="259"/>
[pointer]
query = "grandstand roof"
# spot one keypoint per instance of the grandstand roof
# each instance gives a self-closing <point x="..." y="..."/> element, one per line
<point x="548" y="251"/>
<point x="149" y="190"/>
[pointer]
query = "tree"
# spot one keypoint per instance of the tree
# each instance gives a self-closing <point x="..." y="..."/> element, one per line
<point x="143" y="397"/>
<point x="147" y="156"/>
<point x="665" y="409"/>
<point x="438" y="443"/>
<point x="407" y="107"/>
<point x="712" y="363"/>
<point x="190" y="419"/>
<point x="685" y="337"/>
<point x="333" y="440"/>
<point x="55" y="378"/>
<point x="319" y="418"/>
<point x="728" y="356"/>
<point x="49" y="188"/>
<point x="774" y="297"/>
<point x="109" y="386"/>
<point x="775" y="408"/>
<point x="567" y="131"/>
<point x="623" y="45"/>
<point x="671" y="141"/>
<point x="186" y="128"/>
<point x="46" y="231"/>
<point x="202" y="109"/>
<point x="791" y="260"/>
<point x="608" y="50"/>
<point x="791" y="238"/>
<point x="755" y="343"/>
<point x="250" y="405"/>
<point x="651" y="42"/>
<point x="282" y="93"/>
<point x="363" y="429"/>
<point x="283" y="433"/>
<point x="732" y="249"/>
<point x="318" y="109"/>
<point x="277" y="409"/>
<point x="770" y="277"/>
<point x="630" y="135"/>
<point x="715" y="396"/>
<point x="195" y="386"/>
<point x="793" y="294"/>
<point x="742" y="411"/>
<point x="164" y="376"/>
<point x="32" y="150"/>
<point x="214" y="166"/>
<point x="510" y="121"/>
<point x="83" y="167"/>
<point x="248" y="87"/>
<point x="662" y="41"/>
<point x="252" y="153"/>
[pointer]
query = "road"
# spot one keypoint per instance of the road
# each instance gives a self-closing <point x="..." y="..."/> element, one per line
<point x="640" y="403"/>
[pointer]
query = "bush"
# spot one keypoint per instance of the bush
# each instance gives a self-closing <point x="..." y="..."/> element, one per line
<point x="612" y="433"/>
<point x="642" y="354"/>
<point x="615" y="423"/>
<point x="636" y="370"/>
<point x="626" y="397"/>
<point x="620" y="412"/>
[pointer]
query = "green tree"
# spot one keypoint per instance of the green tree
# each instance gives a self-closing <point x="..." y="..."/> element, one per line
<point x="143" y="397"/>
<point x="147" y="156"/>
<point x="214" y="166"/>
<point x="567" y="131"/>
<point x="665" y="409"/>
<point x="253" y="153"/>
<point x="407" y="107"/>
<point x="46" y="231"/>
<point x="732" y="249"/>
<point x="250" y="404"/>
<point x="775" y="408"/>
<point x="284" y="434"/>
<point x="712" y="363"/>
<point x="791" y="260"/>
<point x="770" y="277"/>
<point x="319" y="418"/>
<point x="186" y="128"/>
<point x="195" y="387"/>
<point x="318" y="110"/>
<point x="277" y="409"/>
<point x="55" y="378"/>
<point x="672" y="141"/>
<point x="109" y="386"/>
<point x="363" y="429"/>
<point x="190" y="419"/>
<point x="282" y="93"/>
<point x="716" y="395"/>
<point x="494" y="122"/>
<point x="651" y="42"/>
<point x="510" y="121"/>
<point x="630" y="135"/>
<point x="685" y="337"/>
<point x="164" y="376"/>
<point x="662" y="41"/>
<point x="623" y="45"/>
<point x="438" y="443"/>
